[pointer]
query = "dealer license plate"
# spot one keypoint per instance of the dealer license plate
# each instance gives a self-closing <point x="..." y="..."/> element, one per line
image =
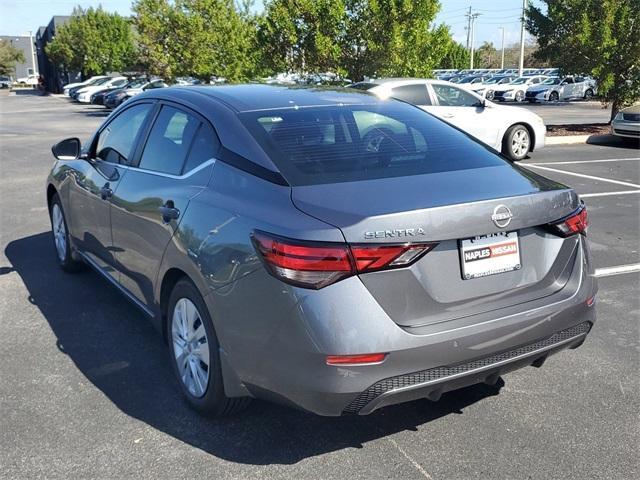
<point x="490" y="254"/>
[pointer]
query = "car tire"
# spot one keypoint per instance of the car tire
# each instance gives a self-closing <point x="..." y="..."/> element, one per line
<point x="516" y="143"/>
<point x="195" y="356"/>
<point x="519" y="96"/>
<point x="61" y="238"/>
<point x="554" y="97"/>
<point x="588" y="95"/>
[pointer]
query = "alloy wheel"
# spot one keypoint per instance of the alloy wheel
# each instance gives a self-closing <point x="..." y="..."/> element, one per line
<point x="190" y="347"/>
<point x="520" y="142"/>
<point x="59" y="232"/>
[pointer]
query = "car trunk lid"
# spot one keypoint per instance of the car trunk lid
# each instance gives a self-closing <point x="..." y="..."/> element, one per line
<point x="448" y="207"/>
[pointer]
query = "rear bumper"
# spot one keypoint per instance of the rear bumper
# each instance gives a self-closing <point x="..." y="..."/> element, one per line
<point x="276" y="346"/>
<point x="434" y="382"/>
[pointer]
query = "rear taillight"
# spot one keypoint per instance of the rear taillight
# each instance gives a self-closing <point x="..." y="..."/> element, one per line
<point x="316" y="265"/>
<point x="577" y="222"/>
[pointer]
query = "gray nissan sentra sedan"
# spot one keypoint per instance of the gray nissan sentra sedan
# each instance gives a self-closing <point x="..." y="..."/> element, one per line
<point x="322" y="248"/>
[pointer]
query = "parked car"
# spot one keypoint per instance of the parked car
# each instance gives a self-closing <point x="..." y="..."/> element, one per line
<point x="31" y="79"/>
<point x="513" y="131"/>
<point x="515" y="90"/>
<point x="322" y="248"/>
<point x="88" y="81"/>
<point x="483" y="87"/>
<point x="101" y="97"/>
<point x="115" y="98"/>
<point x="567" y="88"/>
<point x="5" y="82"/>
<point x="470" y="80"/>
<point x="83" y="95"/>
<point x="73" y="92"/>
<point x="626" y="125"/>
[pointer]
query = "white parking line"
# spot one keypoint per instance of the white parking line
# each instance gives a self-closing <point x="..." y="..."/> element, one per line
<point x="582" y="175"/>
<point x="608" y="194"/>
<point x="619" y="270"/>
<point x="635" y="159"/>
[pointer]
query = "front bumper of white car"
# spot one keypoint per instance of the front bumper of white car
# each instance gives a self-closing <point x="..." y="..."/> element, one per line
<point x="502" y="95"/>
<point x="624" y="128"/>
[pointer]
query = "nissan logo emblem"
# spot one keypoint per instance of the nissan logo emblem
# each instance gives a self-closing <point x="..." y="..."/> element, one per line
<point x="502" y="216"/>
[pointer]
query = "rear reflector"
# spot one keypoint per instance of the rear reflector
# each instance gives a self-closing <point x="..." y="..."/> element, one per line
<point x="366" y="359"/>
<point x="316" y="265"/>
<point x="577" y="222"/>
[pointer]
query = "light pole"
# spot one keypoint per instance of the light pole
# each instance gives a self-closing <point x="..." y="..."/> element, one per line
<point x="521" y="66"/>
<point x="502" y="58"/>
<point x="473" y="21"/>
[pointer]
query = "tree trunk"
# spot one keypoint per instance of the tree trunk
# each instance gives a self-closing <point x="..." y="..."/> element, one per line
<point x="615" y="107"/>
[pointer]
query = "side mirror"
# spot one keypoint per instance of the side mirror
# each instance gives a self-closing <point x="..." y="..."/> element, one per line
<point x="480" y="104"/>
<point x="67" y="149"/>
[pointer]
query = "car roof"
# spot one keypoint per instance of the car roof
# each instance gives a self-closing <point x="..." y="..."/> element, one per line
<point x="254" y="97"/>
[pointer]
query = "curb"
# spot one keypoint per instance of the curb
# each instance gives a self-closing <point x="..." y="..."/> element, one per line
<point x="566" y="139"/>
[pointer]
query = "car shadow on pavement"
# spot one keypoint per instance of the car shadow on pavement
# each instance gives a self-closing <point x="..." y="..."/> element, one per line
<point x="94" y="112"/>
<point x="118" y="351"/>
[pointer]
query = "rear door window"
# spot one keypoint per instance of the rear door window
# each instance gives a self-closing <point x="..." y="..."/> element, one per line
<point x="169" y="141"/>
<point x="414" y="94"/>
<point x="205" y="146"/>
<point x="318" y="145"/>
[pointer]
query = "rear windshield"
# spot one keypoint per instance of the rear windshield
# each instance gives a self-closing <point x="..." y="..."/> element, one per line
<point x="346" y="143"/>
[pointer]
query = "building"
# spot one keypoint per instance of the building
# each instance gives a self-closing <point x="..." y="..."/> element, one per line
<point x="23" y="43"/>
<point x="54" y="77"/>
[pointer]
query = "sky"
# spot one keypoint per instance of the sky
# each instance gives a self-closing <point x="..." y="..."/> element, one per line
<point x="17" y="17"/>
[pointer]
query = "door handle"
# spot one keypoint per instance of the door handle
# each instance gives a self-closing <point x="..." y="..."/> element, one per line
<point x="106" y="192"/>
<point x="169" y="211"/>
<point x="447" y="115"/>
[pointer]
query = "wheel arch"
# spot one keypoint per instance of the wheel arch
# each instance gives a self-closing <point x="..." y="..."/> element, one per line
<point x="51" y="191"/>
<point x="169" y="280"/>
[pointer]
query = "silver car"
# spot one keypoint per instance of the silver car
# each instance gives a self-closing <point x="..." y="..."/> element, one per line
<point x="325" y="249"/>
<point x="568" y="88"/>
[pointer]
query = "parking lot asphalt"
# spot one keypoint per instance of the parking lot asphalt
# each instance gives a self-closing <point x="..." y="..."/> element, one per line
<point x="86" y="388"/>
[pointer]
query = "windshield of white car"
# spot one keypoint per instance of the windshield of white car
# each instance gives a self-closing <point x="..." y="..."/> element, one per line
<point x="102" y="81"/>
<point x="519" y="81"/>
<point x="495" y="80"/>
<point x="551" y="81"/>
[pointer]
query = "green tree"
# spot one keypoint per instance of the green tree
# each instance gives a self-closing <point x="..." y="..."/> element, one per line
<point x="302" y="35"/>
<point x="157" y="26"/>
<point x="201" y="38"/>
<point x="355" y="37"/>
<point x="486" y="56"/>
<point x="598" y="37"/>
<point x="93" y="42"/>
<point x="456" y="56"/>
<point x="9" y="56"/>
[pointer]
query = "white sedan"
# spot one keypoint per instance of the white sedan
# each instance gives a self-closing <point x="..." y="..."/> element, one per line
<point x="513" y="131"/>
<point x="84" y="94"/>
<point x="516" y="90"/>
<point x="88" y="81"/>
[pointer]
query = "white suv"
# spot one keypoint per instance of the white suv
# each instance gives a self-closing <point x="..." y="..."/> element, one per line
<point x="513" y="131"/>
